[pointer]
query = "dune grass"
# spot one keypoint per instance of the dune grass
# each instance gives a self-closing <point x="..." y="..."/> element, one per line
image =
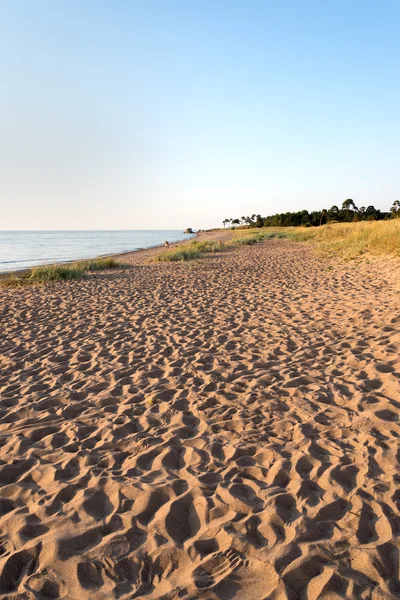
<point x="252" y="238"/>
<point x="190" y="251"/>
<point x="352" y="240"/>
<point x="196" y="249"/>
<point x="248" y="240"/>
<point x="55" y="273"/>
<point x="207" y="246"/>
<point x="347" y="240"/>
<point x="51" y="273"/>
<point x="97" y="264"/>
<point x="176" y="254"/>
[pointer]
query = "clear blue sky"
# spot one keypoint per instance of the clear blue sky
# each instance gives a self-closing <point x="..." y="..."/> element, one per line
<point x="171" y="113"/>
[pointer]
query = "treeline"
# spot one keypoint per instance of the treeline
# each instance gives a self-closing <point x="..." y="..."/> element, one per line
<point x="348" y="213"/>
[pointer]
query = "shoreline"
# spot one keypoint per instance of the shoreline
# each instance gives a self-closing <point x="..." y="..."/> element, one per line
<point x="213" y="235"/>
<point x="68" y="262"/>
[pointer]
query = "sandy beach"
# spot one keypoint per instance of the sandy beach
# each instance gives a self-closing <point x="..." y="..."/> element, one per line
<point x="221" y="429"/>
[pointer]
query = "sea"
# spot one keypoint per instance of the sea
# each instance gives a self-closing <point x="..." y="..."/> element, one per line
<point x="25" y="249"/>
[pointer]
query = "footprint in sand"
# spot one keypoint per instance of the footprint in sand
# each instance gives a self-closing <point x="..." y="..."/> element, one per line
<point x="216" y="568"/>
<point x="17" y="568"/>
<point x="46" y="584"/>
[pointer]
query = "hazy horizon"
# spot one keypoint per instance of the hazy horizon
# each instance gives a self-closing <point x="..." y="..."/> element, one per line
<point x="167" y="115"/>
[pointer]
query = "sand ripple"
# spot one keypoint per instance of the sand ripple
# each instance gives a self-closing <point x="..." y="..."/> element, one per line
<point x="227" y="429"/>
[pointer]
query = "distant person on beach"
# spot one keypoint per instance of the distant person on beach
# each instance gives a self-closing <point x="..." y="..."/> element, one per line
<point x="166" y="244"/>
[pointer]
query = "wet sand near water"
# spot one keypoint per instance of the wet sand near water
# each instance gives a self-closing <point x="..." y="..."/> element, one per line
<point x="218" y="429"/>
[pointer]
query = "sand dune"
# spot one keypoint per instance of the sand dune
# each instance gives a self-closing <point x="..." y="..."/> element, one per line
<point x="222" y="429"/>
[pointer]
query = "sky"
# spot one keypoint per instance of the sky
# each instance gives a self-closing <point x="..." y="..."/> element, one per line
<point x="165" y="114"/>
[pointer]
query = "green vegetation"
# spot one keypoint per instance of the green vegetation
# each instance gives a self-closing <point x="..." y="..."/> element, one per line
<point x="189" y="251"/>
<point x="179" y="254"/>
<point x="347" y="240"/>
<point x="205" y="246"/>
<point x="348" y="213"/>
<point x="55" y="273"/>
<point x="51" y="273"/>
<point x="250" y="238"/>
<point x="348" y="232"/>
<point x="97" y="264"/>
<point x="351" y="240"/>
<point x="197" y="249"/>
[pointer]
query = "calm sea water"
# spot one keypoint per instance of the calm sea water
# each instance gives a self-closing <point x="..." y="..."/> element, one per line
<point x="24" y="249"/>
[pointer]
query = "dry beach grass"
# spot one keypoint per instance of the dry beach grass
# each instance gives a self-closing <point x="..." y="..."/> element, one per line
<point x="227" y="428"/>
<point x="351" y="240"/>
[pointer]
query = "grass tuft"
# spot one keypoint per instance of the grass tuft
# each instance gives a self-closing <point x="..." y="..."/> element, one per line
<point x="253" y="238"/>
<point x="247" y="241"/>
<point x="189" y="252"/>
<point x="51" y="273"/>
<point x="179" y="254"/>
<point x="55" y="273"/>
<point x="205" y="246"/>
<point x="97" y="264"/>
<point x="14" y="281"/>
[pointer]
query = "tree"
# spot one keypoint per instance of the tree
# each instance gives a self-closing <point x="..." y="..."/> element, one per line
<point x="333" y="213"/>
<point x="347" y="214"/>
<point x="371" y="213"/>
<point x="259" y="221"/>
<point x="395" y="210"/>
<point x="349" y="205"/>
<point x="349" y="209"/>
<point x="324" y="215"/>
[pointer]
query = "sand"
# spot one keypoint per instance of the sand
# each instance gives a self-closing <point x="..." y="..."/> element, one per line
<point x="221" y="429"/>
